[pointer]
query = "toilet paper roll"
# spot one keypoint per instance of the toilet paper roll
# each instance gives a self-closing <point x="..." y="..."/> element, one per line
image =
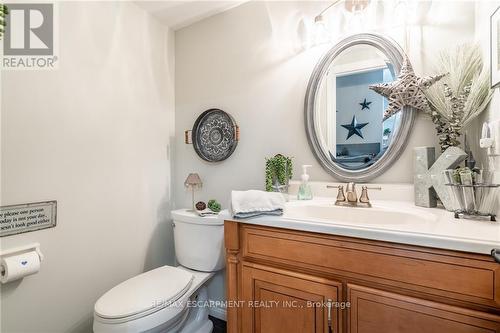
<point x="18" y="266"/>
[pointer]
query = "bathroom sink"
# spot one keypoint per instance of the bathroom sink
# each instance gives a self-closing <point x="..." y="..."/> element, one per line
<point x="377" y="215"/>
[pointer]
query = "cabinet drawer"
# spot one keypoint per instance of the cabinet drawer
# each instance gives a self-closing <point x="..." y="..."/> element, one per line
<point x="461" y="276"/>
<point x="373" y="311"/>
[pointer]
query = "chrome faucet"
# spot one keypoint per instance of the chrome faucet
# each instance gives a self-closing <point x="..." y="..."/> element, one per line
<point x="350" y="198"/>
<point x="350" y="190"/>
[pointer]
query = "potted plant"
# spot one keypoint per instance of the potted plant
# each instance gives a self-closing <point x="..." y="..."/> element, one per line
<point x="279" y="171"/>
<point x="385" y="136"/>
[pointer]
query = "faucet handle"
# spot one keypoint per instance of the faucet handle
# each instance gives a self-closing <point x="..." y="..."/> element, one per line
<point x="340" y="194"/>
<point x="364" y="193"/>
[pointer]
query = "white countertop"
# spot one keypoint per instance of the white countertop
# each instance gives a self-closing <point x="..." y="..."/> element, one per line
<point x="431" y="227"/>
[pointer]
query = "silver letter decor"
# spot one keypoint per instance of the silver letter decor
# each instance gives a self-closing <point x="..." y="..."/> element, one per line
<point x="429" y="179"/>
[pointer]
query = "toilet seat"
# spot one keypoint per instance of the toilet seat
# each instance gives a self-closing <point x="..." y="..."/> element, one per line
<point x="168" y="318"/>
<point x="145" y="294"/>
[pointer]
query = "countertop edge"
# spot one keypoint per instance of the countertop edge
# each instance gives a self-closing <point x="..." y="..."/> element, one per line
<point x="400" y="237"/>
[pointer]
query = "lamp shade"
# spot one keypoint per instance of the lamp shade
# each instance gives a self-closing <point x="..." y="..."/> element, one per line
<point x="193" y="180"/>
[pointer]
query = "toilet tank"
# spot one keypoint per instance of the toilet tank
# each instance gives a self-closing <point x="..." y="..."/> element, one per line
<point x="199" y="241"/>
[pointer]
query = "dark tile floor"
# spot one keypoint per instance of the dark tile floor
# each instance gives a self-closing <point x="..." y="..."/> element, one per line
<point x="219" y="325"/>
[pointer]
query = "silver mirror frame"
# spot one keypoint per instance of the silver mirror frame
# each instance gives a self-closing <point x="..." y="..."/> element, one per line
<point x="400" y="138"/>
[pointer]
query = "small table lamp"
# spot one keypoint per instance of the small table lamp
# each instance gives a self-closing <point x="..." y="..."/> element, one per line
<point x="193" y="181"/>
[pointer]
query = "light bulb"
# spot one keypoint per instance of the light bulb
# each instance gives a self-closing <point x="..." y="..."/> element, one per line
<point x="320" y="31"/>
<point x="319" y="20"/>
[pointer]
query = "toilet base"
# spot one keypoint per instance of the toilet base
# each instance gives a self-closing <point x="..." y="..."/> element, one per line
<point x="197" y="321"/>
<point x="190" y="319"/>
<point x="206" y="327"/>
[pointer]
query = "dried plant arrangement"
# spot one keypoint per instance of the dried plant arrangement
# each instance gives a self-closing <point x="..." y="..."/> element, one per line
<point x="460" y="96"/>
<point x="4" y="11"/>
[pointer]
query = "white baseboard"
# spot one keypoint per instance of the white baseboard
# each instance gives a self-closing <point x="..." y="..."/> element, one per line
<point x="218" y="313"/>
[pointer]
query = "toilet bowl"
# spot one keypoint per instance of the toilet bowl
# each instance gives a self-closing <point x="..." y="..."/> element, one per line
<point x="169" y="299"/>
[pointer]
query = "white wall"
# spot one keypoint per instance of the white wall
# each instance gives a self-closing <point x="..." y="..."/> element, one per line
<point x="249" y="61"/>
<point x="484" y="9"/>
<point x="92" y="135"/>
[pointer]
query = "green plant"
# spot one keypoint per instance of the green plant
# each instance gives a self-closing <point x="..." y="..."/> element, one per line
<point x="279" y="169"/>
<point x="457" y="171"/>
<point x="4" y="11"/>
<point x="214" y="206"/>
<point x="461" y="96"/>
<point x="387" y="131"/>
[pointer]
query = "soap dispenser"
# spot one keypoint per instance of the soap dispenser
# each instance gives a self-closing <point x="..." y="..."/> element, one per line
<point x="305" y="192"/>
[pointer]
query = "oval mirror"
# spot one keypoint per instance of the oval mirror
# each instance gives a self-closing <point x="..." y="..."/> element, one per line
<point x="344" y="118"/>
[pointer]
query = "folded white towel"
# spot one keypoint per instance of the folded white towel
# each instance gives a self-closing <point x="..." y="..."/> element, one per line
<point x="253" y="203"/>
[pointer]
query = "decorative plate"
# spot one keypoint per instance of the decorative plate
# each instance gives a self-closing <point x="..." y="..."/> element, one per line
<point x="215" y="135"/>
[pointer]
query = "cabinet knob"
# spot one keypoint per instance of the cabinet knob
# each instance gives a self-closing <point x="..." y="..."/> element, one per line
<point x="495" y="253"/>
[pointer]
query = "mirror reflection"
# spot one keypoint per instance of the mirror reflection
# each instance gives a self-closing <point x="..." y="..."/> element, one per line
<point x="349" y="115"/>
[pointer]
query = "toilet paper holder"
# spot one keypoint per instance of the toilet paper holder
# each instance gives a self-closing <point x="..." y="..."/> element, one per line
<point x="21" y="249"/>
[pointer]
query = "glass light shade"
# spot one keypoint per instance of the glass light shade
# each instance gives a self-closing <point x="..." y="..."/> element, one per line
<point x="320" y="31"/>
<point x="356" y="5"/>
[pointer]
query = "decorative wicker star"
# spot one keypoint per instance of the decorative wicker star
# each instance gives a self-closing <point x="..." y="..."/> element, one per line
<point x="407" y="90"/>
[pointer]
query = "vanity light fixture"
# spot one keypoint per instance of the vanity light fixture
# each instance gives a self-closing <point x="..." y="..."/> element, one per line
<point x="193" y="181"/>
<point x="319" y="20"/>
<point x="350" y="6"/>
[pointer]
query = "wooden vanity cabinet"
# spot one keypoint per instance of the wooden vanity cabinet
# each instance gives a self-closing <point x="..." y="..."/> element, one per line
<point x="281" y="280"/>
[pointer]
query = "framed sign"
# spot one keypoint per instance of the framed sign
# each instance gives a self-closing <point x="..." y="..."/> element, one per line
<point x="495" y="48"/>
<point x="16" y="219"/>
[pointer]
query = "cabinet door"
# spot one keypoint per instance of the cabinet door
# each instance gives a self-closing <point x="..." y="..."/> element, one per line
<point x="276" y="300"/>
<point x="375" y="311"/>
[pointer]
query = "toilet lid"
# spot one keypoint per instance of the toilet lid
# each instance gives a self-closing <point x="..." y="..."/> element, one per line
<point x="144" y="293"/>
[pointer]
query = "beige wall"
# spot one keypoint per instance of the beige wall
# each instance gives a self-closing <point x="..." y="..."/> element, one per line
<point x="94" y="136"/>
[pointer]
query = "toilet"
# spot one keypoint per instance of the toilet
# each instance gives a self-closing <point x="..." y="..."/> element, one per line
<point x="169" y="299"/>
